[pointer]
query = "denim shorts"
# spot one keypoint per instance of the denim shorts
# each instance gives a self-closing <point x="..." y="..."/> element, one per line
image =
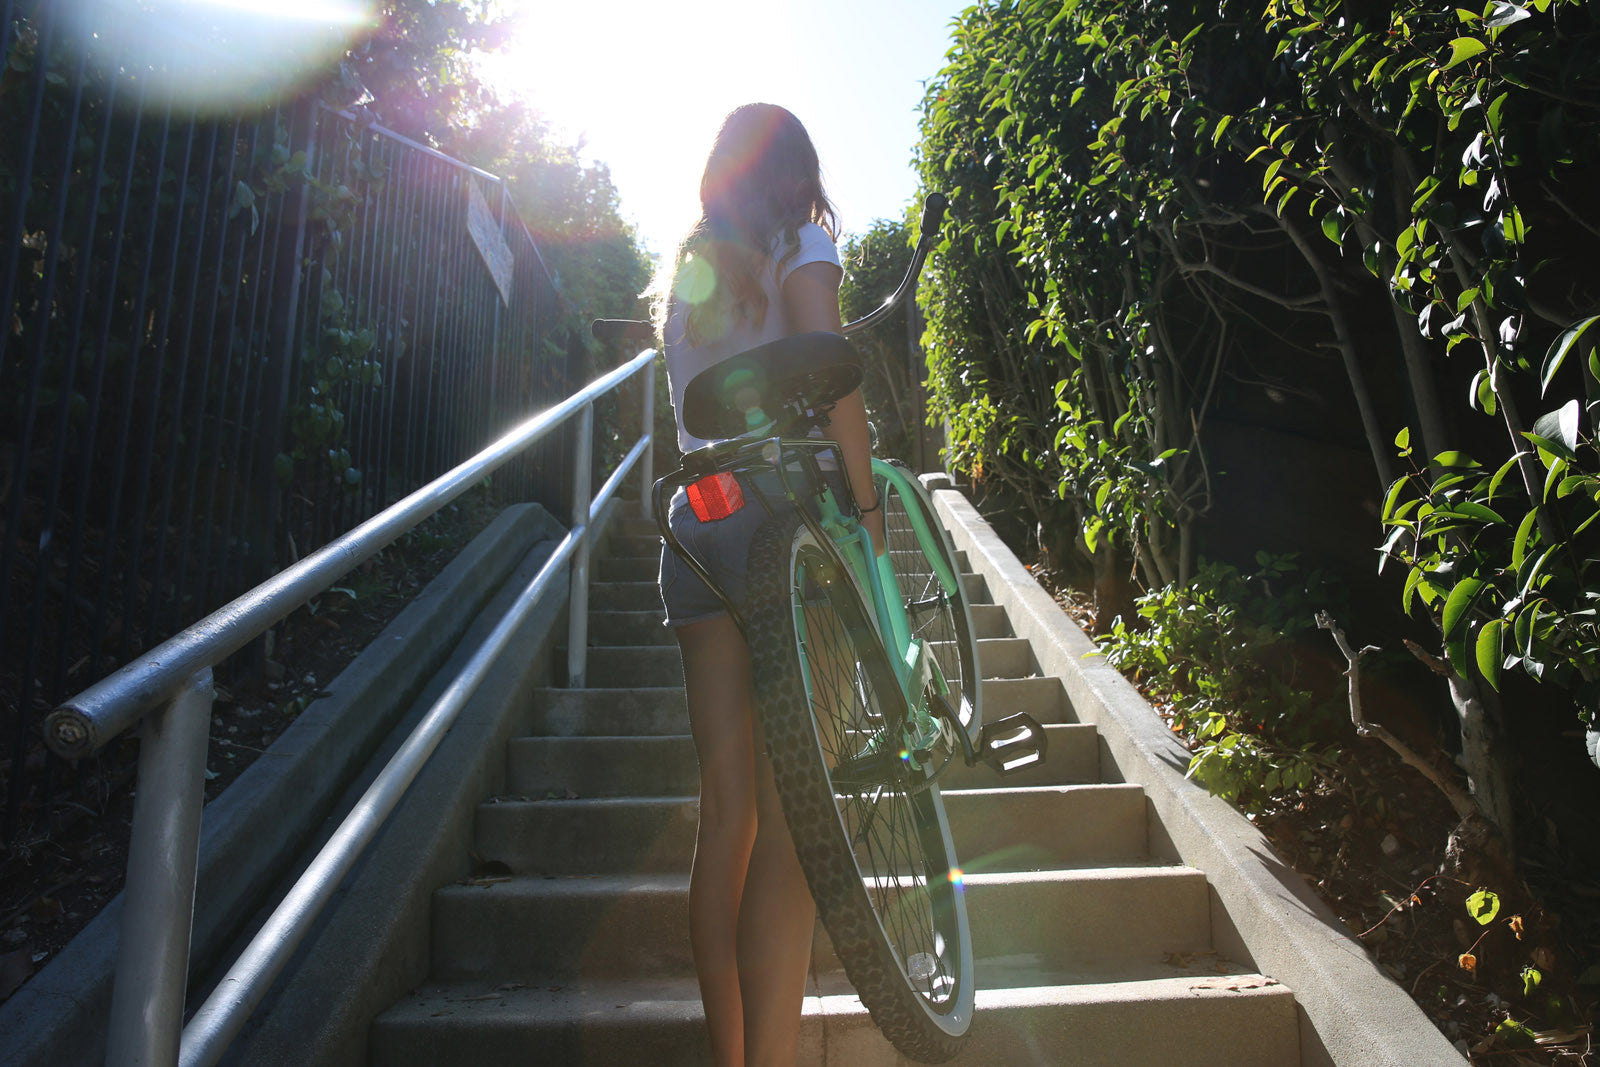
<point x="722" y="546"/>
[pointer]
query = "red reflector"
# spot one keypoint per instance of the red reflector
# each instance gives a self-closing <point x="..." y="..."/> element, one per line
<point x="715" y="496"/>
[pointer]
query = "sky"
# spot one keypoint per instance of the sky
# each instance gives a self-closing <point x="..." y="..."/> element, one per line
<point x="645" y="83"/>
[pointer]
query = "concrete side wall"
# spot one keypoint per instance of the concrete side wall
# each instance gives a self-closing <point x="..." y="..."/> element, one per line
<point x="1263" y="911"/>
<point x="262" y="821"/>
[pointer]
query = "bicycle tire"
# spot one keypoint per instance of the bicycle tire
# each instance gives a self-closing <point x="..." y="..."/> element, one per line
<point x="941" y="618"/>
<point x="879" y="859"/>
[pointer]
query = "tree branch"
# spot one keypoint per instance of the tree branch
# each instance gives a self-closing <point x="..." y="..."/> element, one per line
<point x="1459" y="798"/>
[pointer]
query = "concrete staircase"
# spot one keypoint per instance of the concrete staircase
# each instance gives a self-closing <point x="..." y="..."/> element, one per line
<point x="1094" y="943"/>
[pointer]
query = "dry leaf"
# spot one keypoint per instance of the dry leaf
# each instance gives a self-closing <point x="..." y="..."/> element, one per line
<point x="1469" y="962"/>
<point x="1235" y="982"/>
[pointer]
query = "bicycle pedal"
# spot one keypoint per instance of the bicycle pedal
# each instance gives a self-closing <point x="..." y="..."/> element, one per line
<point x="1010" y="744"/>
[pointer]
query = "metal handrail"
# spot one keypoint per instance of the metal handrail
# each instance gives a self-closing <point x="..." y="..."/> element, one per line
<point x="84" y="724"/>
<point x="169" y="691"/>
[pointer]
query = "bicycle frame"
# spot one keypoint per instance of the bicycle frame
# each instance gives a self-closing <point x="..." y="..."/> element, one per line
<point x="914" y="667"/>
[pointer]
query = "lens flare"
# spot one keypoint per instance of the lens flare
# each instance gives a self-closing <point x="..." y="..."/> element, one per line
<point x="957" y="879"/>
<point x="221" y="57"/>
<point x="696" y="281"/>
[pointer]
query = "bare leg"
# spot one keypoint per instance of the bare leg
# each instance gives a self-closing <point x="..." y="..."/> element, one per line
<point x="716" y="667"/>
<point x="775" y="926"/>
<point x="750" y="913"/>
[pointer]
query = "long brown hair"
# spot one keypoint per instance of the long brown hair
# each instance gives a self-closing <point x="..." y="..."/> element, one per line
<point x="762" y="180"/>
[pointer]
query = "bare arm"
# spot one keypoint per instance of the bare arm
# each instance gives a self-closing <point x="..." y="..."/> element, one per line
<point x="811" y="302"/>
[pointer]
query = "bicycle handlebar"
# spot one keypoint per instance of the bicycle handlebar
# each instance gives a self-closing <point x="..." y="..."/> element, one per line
<point x="623" y="330"/>
<point x="933" y="209"/>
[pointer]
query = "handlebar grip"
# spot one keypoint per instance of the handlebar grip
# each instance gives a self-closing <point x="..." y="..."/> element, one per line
<point x="623" y="330"/>
<point x="933" y="209"/>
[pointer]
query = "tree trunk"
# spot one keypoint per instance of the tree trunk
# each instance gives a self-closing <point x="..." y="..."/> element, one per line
<point x="1377" y="443"/>
<point x="1112" y="594"/>
<point x="1483" y="753"/>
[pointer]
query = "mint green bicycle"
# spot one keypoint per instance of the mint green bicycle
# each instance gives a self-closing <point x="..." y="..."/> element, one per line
<point x="866" y="674"/>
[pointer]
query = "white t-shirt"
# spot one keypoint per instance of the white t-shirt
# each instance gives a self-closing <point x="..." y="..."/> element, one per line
<point x="685" y="360"/>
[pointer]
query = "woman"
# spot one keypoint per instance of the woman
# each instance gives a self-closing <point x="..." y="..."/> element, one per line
<point x="759" y="264"/>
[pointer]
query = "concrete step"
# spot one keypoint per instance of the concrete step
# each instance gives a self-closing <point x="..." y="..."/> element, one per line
<point x="1072" y="756"/>
<point x="634" y="526"/>
<point x="662" y="709"/>
<point x="629" y="628"/>
<point x="609" y="712"/>
<point x="1043" y="698"/>
<point x="1035" y="828"/>
<point x="1020" y="829"/>
<point x="1006" y="657"/>
<point x="621" y="926"/>
<point x="625" y="596"/>
<point x="989" y="620"/>
<point x="634" y="544"/>
<point x="592" y="835"/>
<point x="660" y="664"/>
<point x="1198" y="1020"/>
<point x="977" y="589"/>
<point x="644" y="665"/>
<point x="602" y="766"/>
<point x="627" y="568"/>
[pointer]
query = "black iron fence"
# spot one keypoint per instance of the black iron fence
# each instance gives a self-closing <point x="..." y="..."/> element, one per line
<point x="226" y="341"/>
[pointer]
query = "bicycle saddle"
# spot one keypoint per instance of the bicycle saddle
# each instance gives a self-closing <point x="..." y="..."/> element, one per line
<point x="789" y="376"/>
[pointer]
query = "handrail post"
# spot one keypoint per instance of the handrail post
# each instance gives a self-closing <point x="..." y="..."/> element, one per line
<point x="647" y="467"/>
<point x="158" y="900"/>
<point x="578" y="586"/>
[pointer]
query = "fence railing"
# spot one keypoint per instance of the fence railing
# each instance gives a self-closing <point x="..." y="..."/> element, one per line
<point x="226" y="339"/>
<point x="169" y="691"/>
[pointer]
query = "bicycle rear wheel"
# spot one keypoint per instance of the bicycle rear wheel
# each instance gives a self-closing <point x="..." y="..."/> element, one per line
<point x="939" y="616"/>
<point x="870" y="834"/>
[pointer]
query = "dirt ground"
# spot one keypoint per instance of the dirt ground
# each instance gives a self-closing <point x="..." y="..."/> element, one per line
<point x="67" y="861"/>
<point x="1512" y="980"/>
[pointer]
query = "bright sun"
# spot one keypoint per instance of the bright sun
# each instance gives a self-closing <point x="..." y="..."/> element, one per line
<point x="644" y="84"/>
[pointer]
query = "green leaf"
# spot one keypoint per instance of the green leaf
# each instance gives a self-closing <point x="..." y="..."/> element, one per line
<point x="1463" y="49"/>
<point x="1344" y="56"/>
<point x="1412" y="578"/>
<point x="1489" y="656"/>
<point x="1499" y="476"/>
<point x="1066" y="9"/>
<point x="1477" y="511"/>
<point x="1459" y="605"/>
<point x="1272" y="172"/>
<point x="1496" y="111"/>
<point x="1222" y="126"/>
<point x="1559" y="348"/>
<point x="1560" y="425"/>
<point x="1391" y="498"/>
<point x="1483" y="906"/>
<point x="1531" y="979"/>
<point x="1505" y="14"/>
<point x="1519" y="547"/>
<point x="1091" y="533"/>
<point x="1330" y="227"/>
<point x="1402" y="440"/>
